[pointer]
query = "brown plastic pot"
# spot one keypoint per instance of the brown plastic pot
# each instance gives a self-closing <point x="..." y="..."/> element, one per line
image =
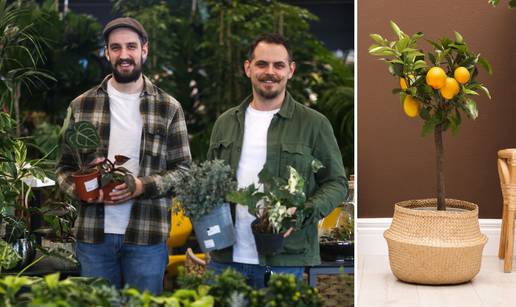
<point x="108" y="188"/>
<point x="87" y="185"/>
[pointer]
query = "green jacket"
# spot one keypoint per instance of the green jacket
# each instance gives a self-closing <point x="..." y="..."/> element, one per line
<point x="296" y="136"/>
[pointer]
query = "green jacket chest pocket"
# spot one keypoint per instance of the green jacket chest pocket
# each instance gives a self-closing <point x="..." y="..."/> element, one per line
<point x="298" y="156"/>
<point x="222" y="150"/>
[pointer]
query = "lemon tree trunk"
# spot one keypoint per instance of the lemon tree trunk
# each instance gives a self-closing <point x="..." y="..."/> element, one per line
<point x="439" y="153"/>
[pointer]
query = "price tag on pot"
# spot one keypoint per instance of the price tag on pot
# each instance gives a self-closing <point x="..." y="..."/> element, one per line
<point x="91" y="185"/>
<point x="209" y="243"/>
<point x="213" y="230"/>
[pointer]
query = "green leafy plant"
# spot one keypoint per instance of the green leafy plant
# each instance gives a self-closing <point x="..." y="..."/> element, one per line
<point x="281" y="204"/>
<point x="10" y="287"/>
<point x="73" y="292"/>
<point x="20" y="52"/>
<point x="51" y="291"/>
<point x="284" y="290"/>
<point x="80" y="136"/>
<point x="225" y="290"/>
<point x="229" y="288"/>
<point x="441" y="97"/>
<point x="59" y="216"/>
<point x="114" y="172"/>
<point x="204" y="189"/>
<point x="180" y="297"/>
<point x="15" y="170"/>
<point x="8" y="256"/>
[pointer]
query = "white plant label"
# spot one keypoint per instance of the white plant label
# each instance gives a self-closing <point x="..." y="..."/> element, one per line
<point x="209" y="243"/>
<point x="91" y="185"/>
<point x="213" y="230"/>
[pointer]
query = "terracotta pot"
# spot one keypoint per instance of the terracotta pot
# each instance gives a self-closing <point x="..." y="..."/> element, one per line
<point x="87" y="185"/>
<point x="109" y="188"/>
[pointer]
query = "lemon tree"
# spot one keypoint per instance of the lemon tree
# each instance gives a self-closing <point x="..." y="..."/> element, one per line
<point x="437" y="86"/>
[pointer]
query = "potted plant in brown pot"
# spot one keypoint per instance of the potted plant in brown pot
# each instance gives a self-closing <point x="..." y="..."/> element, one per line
<point x="80" y="137"/>
<point x="434" y="241"/>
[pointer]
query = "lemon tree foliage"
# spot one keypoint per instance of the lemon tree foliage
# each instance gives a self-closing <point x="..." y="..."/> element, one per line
<point x="512" y="3"/>
<point x="438" y="86"/>
<point x="433" y="81"/>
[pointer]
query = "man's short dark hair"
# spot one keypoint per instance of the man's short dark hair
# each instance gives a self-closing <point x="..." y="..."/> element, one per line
<point x="270" y="38"/>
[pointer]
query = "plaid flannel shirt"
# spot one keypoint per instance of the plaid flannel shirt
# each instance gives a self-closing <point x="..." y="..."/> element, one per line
<point x="164" y="157"/>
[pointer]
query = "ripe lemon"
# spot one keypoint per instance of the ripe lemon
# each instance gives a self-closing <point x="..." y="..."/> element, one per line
<point x="404" y="83"/>
<point x="450" y="89"/>
<point x="411" y="106"/>
<point x="436" y="77"/>
<point x="461" y="74"/>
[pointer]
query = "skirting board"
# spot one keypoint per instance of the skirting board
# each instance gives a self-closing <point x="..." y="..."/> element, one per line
<point x="370" y="239"/>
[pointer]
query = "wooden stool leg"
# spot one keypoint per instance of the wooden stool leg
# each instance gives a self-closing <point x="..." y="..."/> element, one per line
<point x="507" y="267"/>
<point x="503" y="234"/>
<point x="505" y="178"/>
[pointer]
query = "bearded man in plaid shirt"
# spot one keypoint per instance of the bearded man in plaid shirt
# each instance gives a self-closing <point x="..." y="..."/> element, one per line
<point x="124" y="240"/>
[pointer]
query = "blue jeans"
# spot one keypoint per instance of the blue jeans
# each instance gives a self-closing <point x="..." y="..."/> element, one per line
<point x="140" y="266"/>
<point x="255" y="273"/>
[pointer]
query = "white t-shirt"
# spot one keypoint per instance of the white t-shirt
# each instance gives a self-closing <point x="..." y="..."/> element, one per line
<point x="252" y="159"/>
<point x="124" y="139"/>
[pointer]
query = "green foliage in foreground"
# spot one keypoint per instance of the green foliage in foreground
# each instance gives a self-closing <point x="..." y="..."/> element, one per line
<point x="227" y="289"/>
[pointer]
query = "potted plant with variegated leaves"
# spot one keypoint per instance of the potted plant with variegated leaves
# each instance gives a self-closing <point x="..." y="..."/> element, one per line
<point x="278" y="205"/>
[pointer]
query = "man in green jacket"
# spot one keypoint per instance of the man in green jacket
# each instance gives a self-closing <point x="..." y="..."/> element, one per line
<point x="271" y="130"/>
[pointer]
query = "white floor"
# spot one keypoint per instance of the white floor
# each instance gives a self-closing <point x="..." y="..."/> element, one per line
<point x="377" y="287"/>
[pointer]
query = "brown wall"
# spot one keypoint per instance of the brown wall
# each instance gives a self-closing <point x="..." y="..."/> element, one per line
<point x="394" y="162"/>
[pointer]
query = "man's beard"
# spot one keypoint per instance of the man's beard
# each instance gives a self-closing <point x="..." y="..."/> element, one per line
<point x="127" y="77"/>
<point x="268" y="95"/>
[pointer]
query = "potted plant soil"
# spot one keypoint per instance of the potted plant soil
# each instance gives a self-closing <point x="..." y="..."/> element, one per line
<point x="434" y="241"/>
<point x="277" y="209"/>
<point x="79" y="137"/>
<point x="202" y="198"/>
<point x="337" y="244"/>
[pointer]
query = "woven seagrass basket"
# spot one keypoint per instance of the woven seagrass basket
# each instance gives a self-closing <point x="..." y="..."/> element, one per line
<point x="427" y="246"/>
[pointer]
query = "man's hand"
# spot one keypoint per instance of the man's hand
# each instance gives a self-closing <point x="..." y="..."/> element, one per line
<point x="100" y="199"/>
<point x="291" y="211"/>
<point x="288" y="232"/>
<point x="122" y="193"/>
